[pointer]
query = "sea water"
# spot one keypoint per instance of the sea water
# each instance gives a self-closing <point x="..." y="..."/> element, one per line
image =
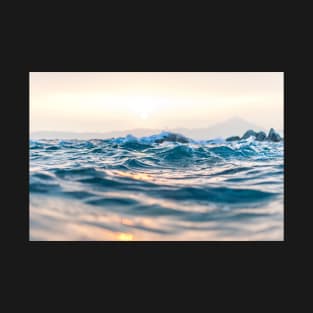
<point x="137" y="189"/>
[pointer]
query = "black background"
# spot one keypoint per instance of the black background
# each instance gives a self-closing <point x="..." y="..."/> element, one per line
<point x="56" y="38"/>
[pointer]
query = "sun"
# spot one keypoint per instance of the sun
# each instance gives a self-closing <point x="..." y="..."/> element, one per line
<point x="144" y="115"/>
<point x="142" y="111"/>
<point x="146" y="107"/>
<point x="141" y="107"/>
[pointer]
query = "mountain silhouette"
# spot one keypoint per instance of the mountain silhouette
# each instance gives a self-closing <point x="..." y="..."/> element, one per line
<point x="231" y="127"/>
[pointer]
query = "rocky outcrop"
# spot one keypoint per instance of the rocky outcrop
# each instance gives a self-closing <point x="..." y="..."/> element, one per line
<point x="172" y="137"/>
<point x="259" y="136"/>
<point x="273" y="136"/>
<point x="248" y="134"/>
<point x="233" y="138"/>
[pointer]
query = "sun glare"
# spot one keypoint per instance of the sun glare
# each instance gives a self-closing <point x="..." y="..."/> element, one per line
<point x="145" y="107"/>
<point x="144" y="115"/>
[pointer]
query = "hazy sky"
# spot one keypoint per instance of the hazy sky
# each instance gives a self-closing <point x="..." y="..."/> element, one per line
<point x="100" y="102"/>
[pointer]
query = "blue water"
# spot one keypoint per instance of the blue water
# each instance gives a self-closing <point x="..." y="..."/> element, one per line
<point x="137" y="189"/>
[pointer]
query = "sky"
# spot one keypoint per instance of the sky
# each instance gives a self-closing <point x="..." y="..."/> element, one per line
<point x="110" y="101"/>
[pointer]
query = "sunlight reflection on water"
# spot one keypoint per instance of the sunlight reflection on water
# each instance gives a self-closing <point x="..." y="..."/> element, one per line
<point x="82" y="190"/>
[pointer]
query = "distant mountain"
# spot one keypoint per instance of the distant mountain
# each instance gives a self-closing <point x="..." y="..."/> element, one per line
<point x="231" y="127"/>
<point x="138" y="132"/>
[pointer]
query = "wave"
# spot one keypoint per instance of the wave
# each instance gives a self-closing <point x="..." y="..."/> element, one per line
<point x="194" y="182"/>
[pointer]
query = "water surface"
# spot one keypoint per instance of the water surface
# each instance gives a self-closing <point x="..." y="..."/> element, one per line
<point x="137" y="189"/>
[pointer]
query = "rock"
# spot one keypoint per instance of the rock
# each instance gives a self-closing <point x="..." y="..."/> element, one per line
<point x="172" y="137"/>
<point x="273" y="136"/>
<point x="233" y="138"/>
<point x="248" y="134"/>
<point x="260" y="136"/>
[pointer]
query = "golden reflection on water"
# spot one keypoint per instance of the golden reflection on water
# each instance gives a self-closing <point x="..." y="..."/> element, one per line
<point x="53" y="218"/>
<point x="165" y="179"/>
<point x="125" y="237"/>
<point x="139" y="176"/>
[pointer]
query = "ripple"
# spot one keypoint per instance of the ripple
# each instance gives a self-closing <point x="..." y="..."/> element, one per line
<point x="169" y="190"/>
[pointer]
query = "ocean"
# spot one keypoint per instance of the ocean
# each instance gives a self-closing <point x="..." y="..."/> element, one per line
<point x="137" y="189"/>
